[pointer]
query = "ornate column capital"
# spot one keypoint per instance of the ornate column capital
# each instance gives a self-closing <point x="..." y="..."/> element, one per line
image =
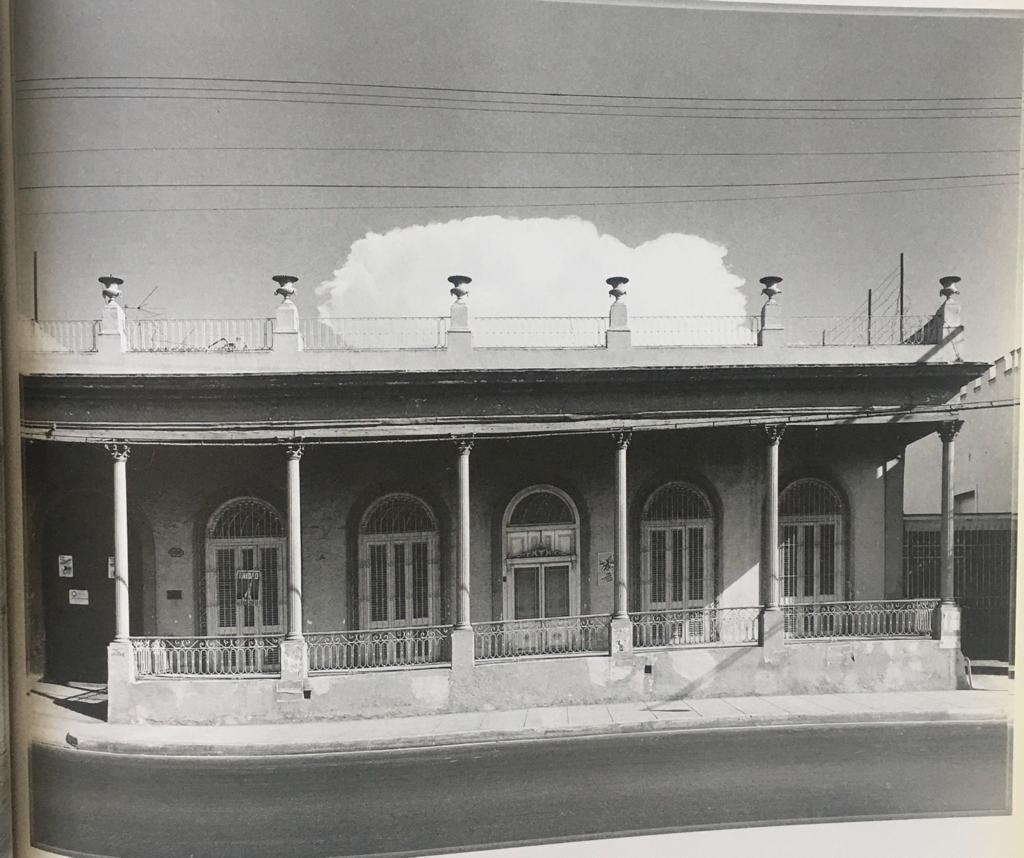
<point x="774" y="431"/>
<point x="295" y="451"/>
<point x="118" y="452"/>
<point x="949" y="430"/>
<point x="622" y="437"/>
<point x="464" y="445"/>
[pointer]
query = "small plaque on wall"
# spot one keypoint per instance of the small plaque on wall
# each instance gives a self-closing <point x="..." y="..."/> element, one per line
<point x="176" y="552"/>
<point x="78" y="597"/>
<point x="65" y="566"/>
<point x="111" y="567"/>
<point x="174" y="594"/>
<point x="606" y="566"/>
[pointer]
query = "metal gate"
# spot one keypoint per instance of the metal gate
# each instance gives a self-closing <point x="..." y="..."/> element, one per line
<point x="984" y="568"/>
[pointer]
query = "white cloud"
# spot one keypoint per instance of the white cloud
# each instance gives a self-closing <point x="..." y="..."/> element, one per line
<point x="529" y="267"/>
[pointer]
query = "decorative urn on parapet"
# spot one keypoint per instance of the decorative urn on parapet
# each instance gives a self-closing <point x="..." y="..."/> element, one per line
<point x="111" y="288"/>
<point x="617" y="283"/>
<point x="459" y="281"/>
<point x="771" y="286"/>
<point x="948" y="284"/>
<point x="285" y="285"/>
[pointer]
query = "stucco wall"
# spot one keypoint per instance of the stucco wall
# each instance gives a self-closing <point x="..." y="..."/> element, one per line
<point x="849" y="666"/>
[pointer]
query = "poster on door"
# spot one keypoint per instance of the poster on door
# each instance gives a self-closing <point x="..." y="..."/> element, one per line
<point x="65" y="566"/>
<point x="78" y="597"/>
<point x="247" y="586"/>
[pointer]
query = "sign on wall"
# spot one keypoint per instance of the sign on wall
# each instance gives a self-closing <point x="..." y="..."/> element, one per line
<point x="78" y="597"/>
<point x="111" y="568"/>
<point x="65" y="566"/>
<point x="247" y="585"/>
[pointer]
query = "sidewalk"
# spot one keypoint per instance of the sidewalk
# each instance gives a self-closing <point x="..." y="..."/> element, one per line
<point x="56" y="724"/>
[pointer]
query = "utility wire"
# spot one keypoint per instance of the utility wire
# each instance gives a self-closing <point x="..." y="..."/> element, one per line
<point x="508" y="110"/>
<point x="551" y="94"/>
<point x="435" y="187"/>
<point x="492" y="205"/>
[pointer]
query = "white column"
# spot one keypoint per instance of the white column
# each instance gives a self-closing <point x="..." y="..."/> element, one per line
<point x="947" y="433"/>
<point x="119" y="453"/>
<point x="294" y="453"/>
<point x="462" y="620"/>
<point x="621" y="607"/>
<point x="771" y="560"/>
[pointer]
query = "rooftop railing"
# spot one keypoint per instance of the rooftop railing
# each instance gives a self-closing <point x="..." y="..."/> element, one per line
<point x="862" y="331"/>
<point x="199" y="335"/>
<point x="383" y="332"/>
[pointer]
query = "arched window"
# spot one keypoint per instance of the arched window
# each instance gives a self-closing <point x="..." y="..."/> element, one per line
<point x="812" y="537"/>
<point x="540" y="534"/>
<point x="245" y="568"/>
<point x="398" y="563"/>
<point x="677" y="549"/>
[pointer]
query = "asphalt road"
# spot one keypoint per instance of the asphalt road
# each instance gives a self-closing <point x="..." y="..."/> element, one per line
<point x="522" y="792"/>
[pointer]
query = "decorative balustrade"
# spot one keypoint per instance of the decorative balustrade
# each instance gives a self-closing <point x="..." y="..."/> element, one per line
<point x="695" y="627"/>
<point x="694" y="330"/>
<point x="200" y="335"/>
<point x="898" y="618"/>
<point x="244" y="655"/>
<point x="549" y="636"/>
<point x="539" y="332"/>
<point x="394" y="332"/>
<point x="59" y="336"/>
<point x="369" y="648"/>
<point x="863" y="330"/>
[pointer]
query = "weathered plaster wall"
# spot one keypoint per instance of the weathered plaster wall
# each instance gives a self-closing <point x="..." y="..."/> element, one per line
<point x="848" y="666"/>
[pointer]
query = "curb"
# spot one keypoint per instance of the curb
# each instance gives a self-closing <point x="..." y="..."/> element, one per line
<point x="110" y="745"/>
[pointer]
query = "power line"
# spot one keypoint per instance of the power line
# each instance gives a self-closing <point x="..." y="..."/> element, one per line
<point x="27" y="95"/>
<point x="434" y="187"/>
<point x="467" y="151"/>
<point x="555" y="112"/>
<point x="550" y="94"/>
<point x="491" y="205"/>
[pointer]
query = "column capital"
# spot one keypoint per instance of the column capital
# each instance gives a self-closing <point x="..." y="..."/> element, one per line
<point x="118" y="452"/>
<point x="464" y="445"/>
<point x="622" y="437"/>
<point x="949" y="430"/>
<point x="295" y="451"/>
<point x="774" y="431"/>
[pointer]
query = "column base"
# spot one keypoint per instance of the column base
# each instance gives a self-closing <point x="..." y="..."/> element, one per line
<point x="291" y="687"/>
<point x="463" y="650"/>
<point x="949" y="626"/>
<point x="773" y="633"/>
<point x="621" y="636"/>
<point x="120" y="676"/>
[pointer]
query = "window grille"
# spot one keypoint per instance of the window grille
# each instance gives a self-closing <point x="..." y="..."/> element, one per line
<point x="398" y="513"/>
<point x="539" y="508"/>
<point x="420" y="581"/>
<point x="270" y="586"/>
<point x="245" y="518"/>
<point x="226" y="587"/>
<point x="676" y="502"/>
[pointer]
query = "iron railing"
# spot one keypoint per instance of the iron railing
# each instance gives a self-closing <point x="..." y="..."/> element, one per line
<point x="896" y="618"/>
<point x="694" y="330"/>
<point x="368" y="648"/>
<point x="539" y="332"/>
<point x="59" y="336"/>
<point x="862" y="330"/>
<point x="200" y="335"/>
<point x="696" y="627"/>
<point x="243" y="655"/>
<point x="548" y="636"/>
<point x="369" y="333"/>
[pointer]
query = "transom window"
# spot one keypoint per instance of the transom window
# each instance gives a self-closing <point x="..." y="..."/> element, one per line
<point x="812" y="535"/>
<point x="245" y="568"/>
<point x="677" y="544"/>
<point x="540" y="536"/>
<point x="398" y="563"/>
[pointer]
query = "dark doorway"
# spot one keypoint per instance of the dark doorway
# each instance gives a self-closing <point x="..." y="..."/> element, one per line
<point x="78" y="593"/>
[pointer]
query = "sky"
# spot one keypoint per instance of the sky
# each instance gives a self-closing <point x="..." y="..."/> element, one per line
<point x="692" y="150"/>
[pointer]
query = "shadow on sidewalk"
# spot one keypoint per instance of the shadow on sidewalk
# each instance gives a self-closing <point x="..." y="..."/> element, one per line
<point x="89" y="699"/>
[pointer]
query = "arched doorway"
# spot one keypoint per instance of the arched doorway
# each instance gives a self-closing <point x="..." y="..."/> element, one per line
<point x="812" y="542"/>
<point x="540" y="532"/>
<point x="78" y="590"/>
<point x="398" y="564"/>
<point x="677" y="544"/>
<point x="245" y="569"/>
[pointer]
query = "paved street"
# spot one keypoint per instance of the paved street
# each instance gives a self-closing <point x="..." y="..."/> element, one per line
<point x="484" y="795"/>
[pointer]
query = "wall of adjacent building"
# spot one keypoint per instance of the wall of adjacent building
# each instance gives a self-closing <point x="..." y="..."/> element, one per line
<point x="986" y="449"/>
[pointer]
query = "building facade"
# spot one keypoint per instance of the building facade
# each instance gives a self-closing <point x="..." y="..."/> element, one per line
<point x="262" y="520"/>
